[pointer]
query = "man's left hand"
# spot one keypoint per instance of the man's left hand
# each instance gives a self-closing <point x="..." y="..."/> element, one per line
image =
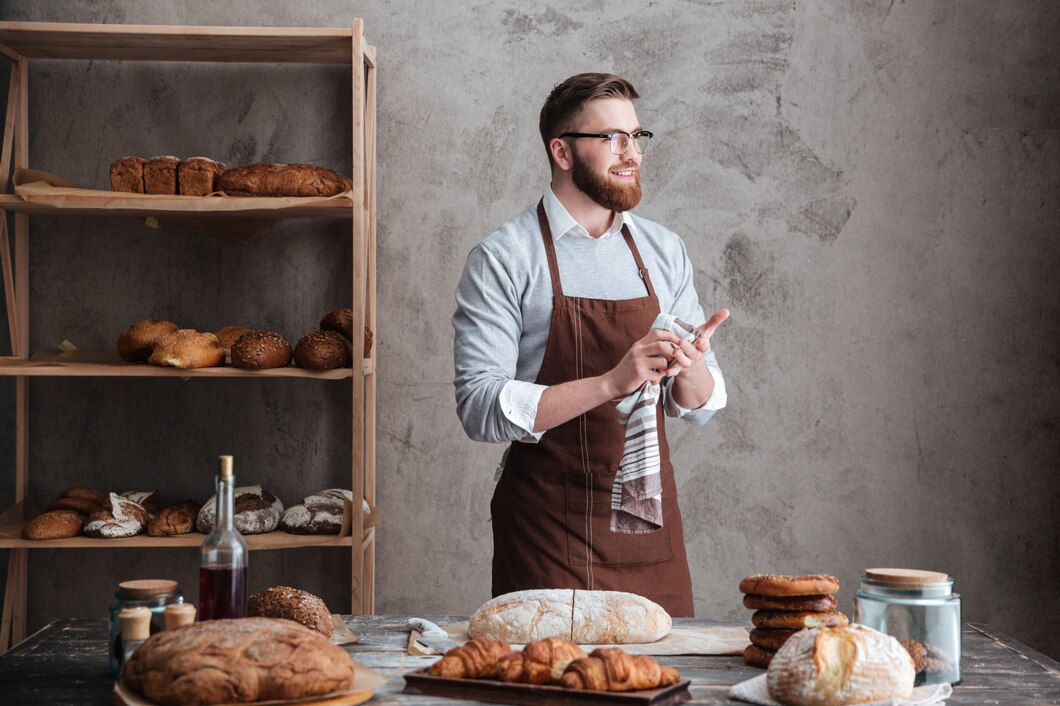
<point x="690" y="354"/>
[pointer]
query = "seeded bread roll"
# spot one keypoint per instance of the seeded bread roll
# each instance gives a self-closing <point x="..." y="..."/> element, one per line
<point x="292" y="604"/>
<point x="322" y="350"/>
<point x="341" y="321"/>
<point x="585" y="617"/>
<point x="257" y="511"/>
<point x="127" y="174"/>
<point x="121" y="517"/>
<point x="138" y="341"/>
<point x="175" y="519"/>
<point x="260" y="350"/>
<point x="198" y="176"/>
<point x="56" y="524"/>
<point x="833" y="666"/>
<point x="283" y="180"/>
<point x="187" y="348"/>
<point x="244" y="660"/>
<point x="160" y="175"/>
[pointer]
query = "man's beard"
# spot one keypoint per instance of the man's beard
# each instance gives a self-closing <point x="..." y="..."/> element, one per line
<point x="614" y="197"/>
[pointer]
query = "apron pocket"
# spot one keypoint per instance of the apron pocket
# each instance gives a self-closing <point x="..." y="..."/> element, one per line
<point x="588" y="501"/>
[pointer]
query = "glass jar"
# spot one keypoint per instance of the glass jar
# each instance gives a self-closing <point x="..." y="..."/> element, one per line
<point x="920" y="609"/>
<point x="154" y="594"/>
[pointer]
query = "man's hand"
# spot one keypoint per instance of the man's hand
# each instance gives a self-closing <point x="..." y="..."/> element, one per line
<point x="690" y="354"/>
<point x="647" y="359"/>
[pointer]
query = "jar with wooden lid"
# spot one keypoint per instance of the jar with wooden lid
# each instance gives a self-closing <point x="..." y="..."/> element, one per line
<point x="154" y="594"/>
<point x="920" y="610"/>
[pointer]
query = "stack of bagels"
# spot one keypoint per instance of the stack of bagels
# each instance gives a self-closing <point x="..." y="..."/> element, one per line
<point x="784" y="605"/>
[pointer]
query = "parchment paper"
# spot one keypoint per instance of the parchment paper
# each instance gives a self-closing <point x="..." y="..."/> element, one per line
<point x="716" y="640"/>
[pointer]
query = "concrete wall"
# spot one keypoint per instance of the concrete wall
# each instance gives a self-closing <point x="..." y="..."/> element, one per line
<point x="870" y="186"/>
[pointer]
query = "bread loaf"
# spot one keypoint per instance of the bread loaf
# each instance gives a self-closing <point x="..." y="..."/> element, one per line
<point x="198" y="176"/>
<point x="127" y="174"/>
<point x="283" y="180"/>
<point x="138" y="341"/>
<point x="319" y="513"/>
<point x="175" y="519"/>
<point x="160" y="175"/>
<point x="585" y="617"/>
<point x="323" y="350"/>
<point x="292" y="604"/>
<point x="845" y="665"/>
<point x="237" y="661"/>
<point x="256" y="511"/>
<point x="57" y="524"/>
<point x="186" y="348"/>
<point x="120" y="517"/>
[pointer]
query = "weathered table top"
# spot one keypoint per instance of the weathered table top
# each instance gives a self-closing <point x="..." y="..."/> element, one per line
<point x="66" y="663"/>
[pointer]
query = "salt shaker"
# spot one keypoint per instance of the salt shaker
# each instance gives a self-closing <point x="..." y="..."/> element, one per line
<point x="135" y="628"/>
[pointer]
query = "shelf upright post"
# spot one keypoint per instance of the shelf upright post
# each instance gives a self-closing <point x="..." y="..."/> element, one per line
<point x="373" y="323"/>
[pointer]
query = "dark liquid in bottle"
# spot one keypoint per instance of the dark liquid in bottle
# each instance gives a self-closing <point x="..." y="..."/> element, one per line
<point x="222" y="592"/>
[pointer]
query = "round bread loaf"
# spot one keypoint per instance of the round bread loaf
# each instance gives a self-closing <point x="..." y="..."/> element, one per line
<point x="775" y="585"/>
<point x="57" y="524"/>
<point x="257" y="511"/>
<point x="137" y="343"/>
<point x="796" y="620"/>
<point x="845" y="665"/>
<point x="756" y="656"/>
<point x="292" y="604"/>
<point x="340" y="321"/>
<point x="237" y="661"/>
<point x="227" y="336"/>
<point x="83" y="491"/>
<point x="815" y="603"/>
<point x="186" y="349"/>
<point x="147" y="498"/>
<point x="770" y="638"/>
<point x="178" y="518"/>
<point x="322" y="350"/>
<point x="82" y="505"/>
<point x="260" y="350"/>
<point x="319" y="513"/>
<point x="584" y="617"/>
<point x="120" y="517"/>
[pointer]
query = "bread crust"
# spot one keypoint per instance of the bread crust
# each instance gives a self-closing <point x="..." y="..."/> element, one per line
<point x="227" y="336"/>
<point x="84" y="491"/>
<point x="56" y="524"/>
<point x="815" y="603"/>
<point x="82" y="505"/>
<point x="160" y="175"/>
<point x="265" y="179"/>
<point x="322" y="350"/>
<point x="186" y="348"/>
<point x="260" y="350"/>
<point x="257" y="511"/>
<point x="756" y="656"/>
<point x="230" y="661"/>
<point x="127" y="175"/>
<point x="845" y="665"/>
<point x="319" y="513"/>
<point x="777" y="585"/>
<point x="292" y="604"/>
<point x="178" y="518"/>
<point x="138" y="341"/>
<point x="796" y="620"/>
<point x="771" y="638"/>
<point x="197" y="176"/>
<point x="121" y="517"/>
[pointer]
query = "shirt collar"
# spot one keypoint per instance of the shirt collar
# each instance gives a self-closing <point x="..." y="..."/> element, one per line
<point x="562" y="223"/>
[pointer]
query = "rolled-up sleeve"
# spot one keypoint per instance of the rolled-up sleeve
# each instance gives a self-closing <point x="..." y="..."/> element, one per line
<point x="487" y="326"/>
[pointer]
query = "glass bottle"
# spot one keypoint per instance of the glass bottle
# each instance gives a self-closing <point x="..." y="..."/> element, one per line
<point x="223" y="557"/>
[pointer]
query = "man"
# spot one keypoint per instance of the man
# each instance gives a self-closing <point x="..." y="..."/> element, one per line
<point x="554" y="326"/>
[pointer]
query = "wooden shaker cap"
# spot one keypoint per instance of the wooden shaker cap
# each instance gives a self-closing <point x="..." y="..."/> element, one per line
<point x="905" y="577"/>
<point x="135" y="623"/>
<point x="147" y="587"/>
<point x="177" y="614"/>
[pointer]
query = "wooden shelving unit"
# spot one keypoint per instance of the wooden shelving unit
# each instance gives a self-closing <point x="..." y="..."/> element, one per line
<point x="23" y="42"/>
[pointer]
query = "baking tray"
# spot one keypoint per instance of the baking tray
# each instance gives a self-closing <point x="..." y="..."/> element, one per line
<point x="420" y="682"/>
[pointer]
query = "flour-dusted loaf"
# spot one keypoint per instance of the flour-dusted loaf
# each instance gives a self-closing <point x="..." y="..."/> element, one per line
<point x="319" y="513"/>
<point x="585" y="617"/>
<point x="257" y="511"/>
<point x="292" y="604"/>
<point x="119" y="517"/>
<point x="845" y="665"/>
<point x="237" y="661"/>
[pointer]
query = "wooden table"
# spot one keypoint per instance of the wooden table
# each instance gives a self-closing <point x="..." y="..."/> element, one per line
<point x="66" y="663"/>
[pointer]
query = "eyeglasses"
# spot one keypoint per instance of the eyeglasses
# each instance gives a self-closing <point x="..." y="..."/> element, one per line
<point x="619" y="139"/>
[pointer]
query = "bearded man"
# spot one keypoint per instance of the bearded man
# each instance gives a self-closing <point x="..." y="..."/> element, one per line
<point x="557" y="322"/>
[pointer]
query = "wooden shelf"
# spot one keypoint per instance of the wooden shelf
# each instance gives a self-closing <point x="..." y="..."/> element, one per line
<point x="170" y="207"/>
<point x="10" y="538"/>
<point x="280" y="45"/>
<point x="104" y="364"/>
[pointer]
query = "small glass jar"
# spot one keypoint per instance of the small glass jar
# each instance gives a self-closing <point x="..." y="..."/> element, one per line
<point x="154" y="594"/>
<point x="920" y="609"/>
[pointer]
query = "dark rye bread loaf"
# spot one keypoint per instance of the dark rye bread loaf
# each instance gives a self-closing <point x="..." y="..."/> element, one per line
<point x="292" y="604"/>
<point x="237" y="661"/>
<point x="319" y="513"/>
<point x="257" y="511"/>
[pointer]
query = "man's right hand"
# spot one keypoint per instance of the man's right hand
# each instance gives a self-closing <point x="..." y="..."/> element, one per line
<point x="646" y="359"/>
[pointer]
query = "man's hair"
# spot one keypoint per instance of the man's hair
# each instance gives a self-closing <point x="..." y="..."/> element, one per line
<point x="567" y="100"/>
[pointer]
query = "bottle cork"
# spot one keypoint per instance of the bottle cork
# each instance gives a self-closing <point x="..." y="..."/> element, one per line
<point x="135" y="623"/>
<point x="178" y="614"/>
<point x="226" y="468"/>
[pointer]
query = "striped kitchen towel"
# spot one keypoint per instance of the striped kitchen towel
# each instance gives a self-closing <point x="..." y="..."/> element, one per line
<point x="636" y="496"/>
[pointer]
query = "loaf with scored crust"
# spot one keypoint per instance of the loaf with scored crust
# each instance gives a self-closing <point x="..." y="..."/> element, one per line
<point x="585" y="617"/>
<point x="264" y="179"/>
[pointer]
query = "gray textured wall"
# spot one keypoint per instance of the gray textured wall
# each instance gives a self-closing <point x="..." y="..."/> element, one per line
<point x="870" y="186"/>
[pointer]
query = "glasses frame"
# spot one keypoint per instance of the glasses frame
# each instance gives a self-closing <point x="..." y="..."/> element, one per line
<point x="610" y="137"/>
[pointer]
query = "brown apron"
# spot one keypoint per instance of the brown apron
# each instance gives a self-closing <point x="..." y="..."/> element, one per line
<point x="552" y="506"/>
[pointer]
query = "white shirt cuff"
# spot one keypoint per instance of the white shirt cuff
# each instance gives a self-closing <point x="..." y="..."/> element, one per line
<point x="717" y="400"/>
<point x="518" y="401"/>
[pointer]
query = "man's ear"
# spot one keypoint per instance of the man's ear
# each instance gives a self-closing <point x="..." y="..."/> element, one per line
<point x="561" y="153"/>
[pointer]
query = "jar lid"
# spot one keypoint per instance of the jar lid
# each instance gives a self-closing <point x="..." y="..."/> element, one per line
<point x="147" y="587"/>
<point x="905" y="577"/>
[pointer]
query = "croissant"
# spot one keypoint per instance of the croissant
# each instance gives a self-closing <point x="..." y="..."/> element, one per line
<point x="475" y="659"/>
<point x="540" y="662"/>
<point x="612" y="669"/>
